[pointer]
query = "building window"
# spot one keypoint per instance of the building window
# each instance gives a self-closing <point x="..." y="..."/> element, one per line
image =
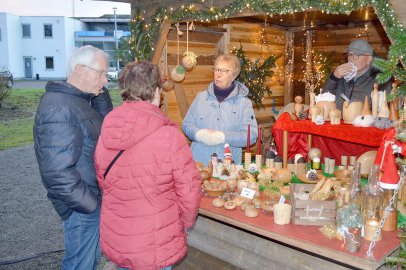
<point x="26" y="31"/>
<point x="48" y="30"/>
<point x="49" y="62"/>
<point x="0" y="34"/>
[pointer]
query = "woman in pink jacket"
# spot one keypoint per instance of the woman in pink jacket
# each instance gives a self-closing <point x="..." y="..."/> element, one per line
<point x="151" y="193"/>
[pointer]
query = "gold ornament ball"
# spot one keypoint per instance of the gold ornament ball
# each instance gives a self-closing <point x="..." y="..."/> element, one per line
<point x="314" y="152"/>
<point x="188" y="63"/>
<point x="168" y="84"/>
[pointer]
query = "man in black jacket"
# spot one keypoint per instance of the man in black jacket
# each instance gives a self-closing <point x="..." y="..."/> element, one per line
<point x="66" y="129"/>
<point x="355" y="79"/>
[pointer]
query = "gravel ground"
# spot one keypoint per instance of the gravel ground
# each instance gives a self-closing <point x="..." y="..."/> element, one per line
<point x="29" y="226"/>
<point x="31" y="233"/>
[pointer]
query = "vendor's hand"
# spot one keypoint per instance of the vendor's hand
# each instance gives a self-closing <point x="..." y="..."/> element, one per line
<point x="210" y="137"/>
<point x="343" y="70"/>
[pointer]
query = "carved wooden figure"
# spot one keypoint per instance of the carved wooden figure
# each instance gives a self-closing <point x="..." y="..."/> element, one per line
<point x="316" y="111"/>
<point x="312" y="97"/>
<point x="335" y="116"/>
<point x="298" y="104"/>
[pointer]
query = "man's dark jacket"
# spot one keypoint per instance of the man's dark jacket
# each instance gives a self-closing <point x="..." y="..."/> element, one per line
<point x="66" y="129"/>
<point x="356" y="90"/>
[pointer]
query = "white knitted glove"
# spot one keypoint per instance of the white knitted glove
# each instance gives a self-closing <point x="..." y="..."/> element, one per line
<point x="210" y="137"/>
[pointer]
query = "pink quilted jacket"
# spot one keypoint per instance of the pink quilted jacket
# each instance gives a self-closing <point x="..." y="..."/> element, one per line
<point x="152" y="192"/>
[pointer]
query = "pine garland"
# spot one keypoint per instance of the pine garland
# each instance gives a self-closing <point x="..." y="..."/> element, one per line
<point x="133" y="48"/>
<point x="253" y="75"/>
<point x="391" y="66"/>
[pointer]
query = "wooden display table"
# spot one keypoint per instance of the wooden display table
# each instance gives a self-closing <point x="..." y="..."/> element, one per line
<point x="248" y="242"/>
<point x="333" y="140"/>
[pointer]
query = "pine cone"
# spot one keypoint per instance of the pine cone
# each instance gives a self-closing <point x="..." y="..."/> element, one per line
<point x="312" y="175"/>
<point x="302" y="114"/>
<point x="225" y="172"/>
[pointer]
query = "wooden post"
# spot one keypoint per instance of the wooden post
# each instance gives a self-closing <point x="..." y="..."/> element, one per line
<point x="308" y="72"/>
<point x="289" y="61"/>
<point x="285" y="148"/>
<point x="160" y="42"/>
<point x="181" y="99"/>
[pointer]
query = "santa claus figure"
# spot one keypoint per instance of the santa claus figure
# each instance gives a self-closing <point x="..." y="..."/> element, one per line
<point x="227" y="155"/>
<point x="385" y="159"/>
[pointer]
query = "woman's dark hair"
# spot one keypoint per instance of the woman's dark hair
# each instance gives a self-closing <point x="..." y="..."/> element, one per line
<point x="139" y="81"/>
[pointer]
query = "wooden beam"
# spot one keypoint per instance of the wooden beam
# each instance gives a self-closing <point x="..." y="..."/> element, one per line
<point x="289" y="62"/>
<point x="181" y="99"/>
<point x="160" y="42"/>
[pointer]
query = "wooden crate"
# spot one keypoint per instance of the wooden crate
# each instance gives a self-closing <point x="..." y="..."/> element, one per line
<point x="310" y="212"/>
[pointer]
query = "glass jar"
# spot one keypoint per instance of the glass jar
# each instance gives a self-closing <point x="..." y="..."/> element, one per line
<point x="372" y="205"/>
<point x="352" y="240"/>
<point x="355" y="190"/>
<point x="390" y="224"/>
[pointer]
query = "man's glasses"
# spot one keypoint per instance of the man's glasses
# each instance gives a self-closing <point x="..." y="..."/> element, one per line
<point x="221" y="70"/>
<point x="355" y="56"/>
<point x="101" y="72"/>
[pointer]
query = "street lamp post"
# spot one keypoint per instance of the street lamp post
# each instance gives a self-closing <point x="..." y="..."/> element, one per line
<point x="115" y="37"/>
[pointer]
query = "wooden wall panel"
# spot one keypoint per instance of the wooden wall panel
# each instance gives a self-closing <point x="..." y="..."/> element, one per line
<point x="248" y="35"/>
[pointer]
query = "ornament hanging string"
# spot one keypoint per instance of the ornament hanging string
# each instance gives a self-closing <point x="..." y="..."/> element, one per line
<point x="177" y="39"/>
<point x="187" y="36"/>
<point x="166" y="59"/>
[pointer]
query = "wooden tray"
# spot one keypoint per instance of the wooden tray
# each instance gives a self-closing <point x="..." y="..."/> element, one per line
<point x="303" y="178"/>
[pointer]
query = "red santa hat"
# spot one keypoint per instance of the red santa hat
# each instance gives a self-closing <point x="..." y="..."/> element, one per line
<point x="227" y="152"/>
<point x="386" y="160"/>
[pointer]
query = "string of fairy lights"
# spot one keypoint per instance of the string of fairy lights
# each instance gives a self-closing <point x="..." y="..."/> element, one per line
<point x="314" y="70"/>
<point x="194" y="12"/>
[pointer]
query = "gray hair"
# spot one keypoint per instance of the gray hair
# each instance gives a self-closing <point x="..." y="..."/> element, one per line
<point x="83" y="56"/>
<point x="230" y="58"/>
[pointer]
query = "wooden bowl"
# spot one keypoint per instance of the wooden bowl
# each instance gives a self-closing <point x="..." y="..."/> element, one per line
<point x="214" y="193"/>
<point x="267" y="206"/>
<point x="215" y="188"/>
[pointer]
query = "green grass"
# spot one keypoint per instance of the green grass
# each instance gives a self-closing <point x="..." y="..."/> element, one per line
<point x="16" y="133"/>
<point x="20" y="106"/>
<point x="24" y="98"/>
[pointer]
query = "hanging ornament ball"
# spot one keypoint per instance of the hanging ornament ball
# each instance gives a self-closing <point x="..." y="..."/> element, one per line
<point x="189" y="60"/>
<point x="167" y="83"/>
<point x="178" y="73"/>
<point x="314" y="152"/>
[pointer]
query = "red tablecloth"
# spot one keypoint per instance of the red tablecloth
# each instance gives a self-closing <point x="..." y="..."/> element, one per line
<point x="333" y="140"/>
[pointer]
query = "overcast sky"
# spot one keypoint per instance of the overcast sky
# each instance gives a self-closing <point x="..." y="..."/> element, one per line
<point x="68" y="8"/>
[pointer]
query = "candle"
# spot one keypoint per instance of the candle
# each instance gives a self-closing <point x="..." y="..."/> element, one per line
<point x="248" y="139"/>
<point x="371" y="227"/>
<point x="259" y="141"/>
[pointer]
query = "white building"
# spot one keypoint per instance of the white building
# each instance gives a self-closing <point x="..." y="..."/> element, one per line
<point x="39" y="46"/>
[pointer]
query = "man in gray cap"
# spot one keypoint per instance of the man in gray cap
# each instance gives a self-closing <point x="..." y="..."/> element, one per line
<point x="355" y="79"/>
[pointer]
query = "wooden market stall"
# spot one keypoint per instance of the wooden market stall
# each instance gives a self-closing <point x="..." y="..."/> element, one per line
<point x="293" y="37"/>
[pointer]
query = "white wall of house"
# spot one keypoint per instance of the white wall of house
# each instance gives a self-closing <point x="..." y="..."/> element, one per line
<point x="10" y="43"/>
<point x="25" y="55"/>
<point x="39" y="47"/>
<point x="14" y="48"/>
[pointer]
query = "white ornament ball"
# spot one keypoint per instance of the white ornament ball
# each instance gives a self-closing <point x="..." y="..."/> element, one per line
<point x="178" y="73"/>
